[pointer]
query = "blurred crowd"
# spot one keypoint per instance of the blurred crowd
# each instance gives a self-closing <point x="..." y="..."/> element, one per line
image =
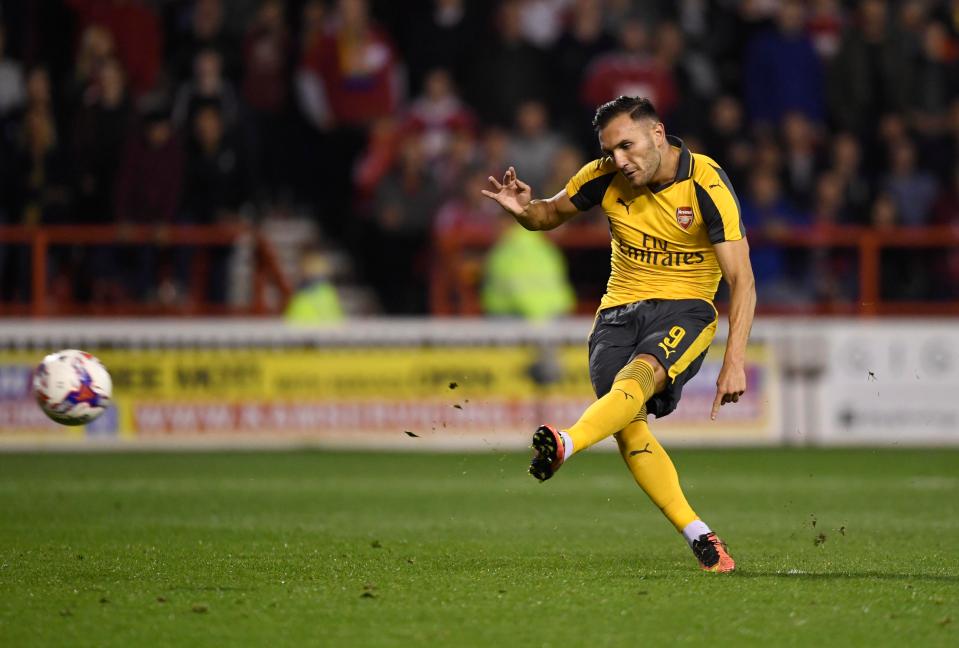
<point x="385" y="118"/>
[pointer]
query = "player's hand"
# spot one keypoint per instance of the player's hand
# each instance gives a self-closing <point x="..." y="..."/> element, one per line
<point x="512" y="194"/>
<point x="730" y="385"/>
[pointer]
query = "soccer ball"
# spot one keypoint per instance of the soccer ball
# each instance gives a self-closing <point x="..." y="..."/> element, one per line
<point x="72" y="387"/>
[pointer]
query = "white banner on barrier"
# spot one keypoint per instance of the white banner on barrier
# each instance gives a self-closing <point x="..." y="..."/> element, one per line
<point x="890" y="382"/>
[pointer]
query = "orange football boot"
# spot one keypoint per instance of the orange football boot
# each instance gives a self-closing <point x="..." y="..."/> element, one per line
<point x="550" y="453"/>
<point x="712" y="554"/>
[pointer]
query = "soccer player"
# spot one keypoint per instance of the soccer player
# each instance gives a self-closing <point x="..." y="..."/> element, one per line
<point x="676" y="229"/>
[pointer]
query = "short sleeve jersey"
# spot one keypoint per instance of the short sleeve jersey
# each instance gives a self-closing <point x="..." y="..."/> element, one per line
<point x="662" y="236"/>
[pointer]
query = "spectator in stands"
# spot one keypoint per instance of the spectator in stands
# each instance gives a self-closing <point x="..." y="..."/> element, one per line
<point x="217" y="185"/>
<point x="405" y="203"/>
<point x="208" y="83"/>
<point x="207" y="31"/>
<point x="443" y="34"/>
<point x="767" y="154"/>
<point x="935" y="79"/>
<point x="630" y="70"/>
<point x="465" y="215"/>
<point x="912" y="189"/>
<point x="95" y="50"/>
<point x="494" y="155"/>
<point x="148" y="191"/>
<point x="103" y="122"/>
<point x="541" y="21"/>
<point x="355" y="68"/>
<point x="217" y="169"/>
<point x="12" y="90"/>
<point x="525" y="276"/>
<point x="905" y="273"/>
<point x="726" y="139"/>
<point x="40" y="92"/>
<point x="890" y="133"/>
<point x="40" y="171"/>
<point x="583" y="40"/>
<point x="825" y="28"/>
<point x="694" y="73"/>
<point x="829" y="203"/>
<point x="846" y="164"/>
<point x="383" y="143"/>
<point x="463" y="154"/>
<point x="783" y="72"/>
<point x="884" y="212"/>
<point x="38" y="192"/>
<point x="45" y="145"/>
<point x="347" y="80"/>
<point x="468" y="210"/>
<point x="267" y="52"/>
<point x="438" y="114"/>
<point x="801" y="158"/>
<point x="767" y="213"/>
<point x="912" y="17"/>
<point x="516" y="69"/>
<point x="870" y="76"/>
<point x="101" y="127"/>
<point x="834" y="272"/>
<point x="316" y="300"/>
<point x="533" y="145"/>
<point x="135" y="29"/>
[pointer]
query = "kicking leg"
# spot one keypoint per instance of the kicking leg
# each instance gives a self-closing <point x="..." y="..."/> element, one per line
<point x="655" y="473"/>
<point x="633" y="386"/>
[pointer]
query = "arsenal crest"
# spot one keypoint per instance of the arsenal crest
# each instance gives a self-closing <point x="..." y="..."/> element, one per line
<point x="684" y="216"/>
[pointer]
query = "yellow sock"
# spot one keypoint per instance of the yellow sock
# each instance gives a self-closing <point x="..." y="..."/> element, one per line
<point x="654" y="471"/>
<point x="632" y="387"/>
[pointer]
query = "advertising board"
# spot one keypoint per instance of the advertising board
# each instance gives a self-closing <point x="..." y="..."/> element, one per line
<point x="406" y="396"/>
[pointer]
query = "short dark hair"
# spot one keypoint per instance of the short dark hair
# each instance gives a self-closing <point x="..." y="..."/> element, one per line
<point x="636" y="107"/>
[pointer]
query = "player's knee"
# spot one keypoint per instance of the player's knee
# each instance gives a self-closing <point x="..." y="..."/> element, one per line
<point x="659" y="374"/>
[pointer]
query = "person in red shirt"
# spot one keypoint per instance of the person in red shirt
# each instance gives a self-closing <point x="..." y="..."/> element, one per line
<point x="356" y="66"/>
<point x="347" y="80"/>
<point x="630" y="70"/>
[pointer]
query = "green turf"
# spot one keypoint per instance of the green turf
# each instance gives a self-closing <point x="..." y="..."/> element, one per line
<point x="835" y="548"/>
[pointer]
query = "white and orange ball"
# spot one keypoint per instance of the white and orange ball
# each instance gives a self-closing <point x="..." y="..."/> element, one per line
<point x="72" y="387"/>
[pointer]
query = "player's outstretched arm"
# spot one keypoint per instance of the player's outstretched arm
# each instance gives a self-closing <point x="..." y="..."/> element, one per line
<point x="516" y="197"/>
<point x="733" y="257"/>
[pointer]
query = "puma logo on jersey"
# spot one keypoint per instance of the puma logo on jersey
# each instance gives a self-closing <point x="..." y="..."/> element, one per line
<point x="636" y="452"/>
<point x="714" y="185"/>
<point x="625" y="204"/>
<point x="626" y="394"/>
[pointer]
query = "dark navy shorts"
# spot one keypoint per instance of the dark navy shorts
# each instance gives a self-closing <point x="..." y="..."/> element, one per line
<point x="677" y="332"/>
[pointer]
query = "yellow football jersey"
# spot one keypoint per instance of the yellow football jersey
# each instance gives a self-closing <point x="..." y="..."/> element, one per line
<point x="662" y="236"/>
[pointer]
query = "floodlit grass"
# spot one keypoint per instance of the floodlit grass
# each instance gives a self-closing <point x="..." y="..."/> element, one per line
<point x="835" y="548"/>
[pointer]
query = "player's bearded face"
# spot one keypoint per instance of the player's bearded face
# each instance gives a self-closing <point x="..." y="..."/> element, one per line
<point x="633" y="149"/>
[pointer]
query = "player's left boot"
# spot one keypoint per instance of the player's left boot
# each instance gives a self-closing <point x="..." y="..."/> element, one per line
<point x="550" y="453"/>
<point x="712" y="554"/>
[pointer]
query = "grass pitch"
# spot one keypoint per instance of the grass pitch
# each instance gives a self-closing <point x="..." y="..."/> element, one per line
<point x="836" y="548"/>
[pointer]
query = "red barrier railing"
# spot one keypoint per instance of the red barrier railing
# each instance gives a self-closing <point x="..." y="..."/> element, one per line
<point x="456" y="273"/>
<point x="266" y="269"/>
